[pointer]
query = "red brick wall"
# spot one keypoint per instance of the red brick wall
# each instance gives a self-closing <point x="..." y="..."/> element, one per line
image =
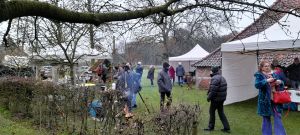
<point x="203" y="77"/>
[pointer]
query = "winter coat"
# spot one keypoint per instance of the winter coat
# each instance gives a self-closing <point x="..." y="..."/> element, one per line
<point x="217" y="89"/>
<point x="293" y="72"/>
<point x="139" y="69"/>
<point x="180" y="70"/>
<point x="128" y="82"/>
<point x="265" y="105"/>
<point x="151" y="73"/>
<point x="280" y="74"/>
<point x="172" y="72"/>
<point x="164" y="81"/>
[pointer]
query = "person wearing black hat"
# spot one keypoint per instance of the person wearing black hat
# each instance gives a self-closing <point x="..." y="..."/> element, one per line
<point x="165" y="86"/>
<point x="217" y="95"/>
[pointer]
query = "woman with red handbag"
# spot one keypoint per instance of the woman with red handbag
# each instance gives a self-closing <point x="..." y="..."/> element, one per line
<point x="265" y="81"/>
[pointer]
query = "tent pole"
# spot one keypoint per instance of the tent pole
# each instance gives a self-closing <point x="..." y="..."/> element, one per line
<point x="257" y="54"/>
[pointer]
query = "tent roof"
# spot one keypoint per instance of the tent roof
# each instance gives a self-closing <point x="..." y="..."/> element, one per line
<point x="82" y="52"/>
<point x="196" y="53"/>
<point x="281" y="35"/>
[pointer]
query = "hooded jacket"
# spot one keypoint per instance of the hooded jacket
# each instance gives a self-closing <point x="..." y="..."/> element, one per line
<point x="164" y="81"/>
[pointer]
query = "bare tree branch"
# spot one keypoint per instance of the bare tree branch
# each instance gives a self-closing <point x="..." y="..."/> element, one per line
<point x="6" y="33"/>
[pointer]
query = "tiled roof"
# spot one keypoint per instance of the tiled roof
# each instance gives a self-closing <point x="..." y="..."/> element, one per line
<point x="266" y="20"/>
<point x="213" y="59"/>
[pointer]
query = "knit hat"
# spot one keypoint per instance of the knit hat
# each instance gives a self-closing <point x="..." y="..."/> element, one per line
<point x="165" y="65"/>
<point x="214" y="69"/>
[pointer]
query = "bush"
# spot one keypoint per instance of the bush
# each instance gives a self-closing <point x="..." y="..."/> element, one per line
<point x="16" y="95"/>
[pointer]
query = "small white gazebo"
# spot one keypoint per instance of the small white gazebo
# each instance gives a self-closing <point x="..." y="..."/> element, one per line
<point x="189" y="58"/>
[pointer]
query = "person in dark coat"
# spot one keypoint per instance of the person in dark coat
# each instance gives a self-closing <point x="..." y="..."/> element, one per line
<point x="165" y="86"/>
<point x="217" y="95"/>
<point x="293" y="73"/>
<point x="150" y="75"/>
<point x="265" y="82"/>
<point x="180" y="73"/>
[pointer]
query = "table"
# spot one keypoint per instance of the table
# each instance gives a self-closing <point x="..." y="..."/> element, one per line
<point x="295" y="97"/>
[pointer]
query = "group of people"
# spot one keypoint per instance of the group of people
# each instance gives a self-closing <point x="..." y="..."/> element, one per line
<point x="269" y="77"/>
<point x="180" y="72"/>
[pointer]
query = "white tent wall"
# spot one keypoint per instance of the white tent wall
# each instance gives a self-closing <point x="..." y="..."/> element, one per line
<point x="238" y="70"/>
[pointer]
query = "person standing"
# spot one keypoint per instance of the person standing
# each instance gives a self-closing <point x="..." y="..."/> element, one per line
<point x="165" y="87"/>
<point x="172" y="74"/>
<point x="139" y="70"/>
<point x="150" y="75"/>
<point x="265" y="81"/>
<point x="128" y="84"/>
<point x="293" y="73"/>
<point x="216" y="96"/>
<point x="180" y="73"/>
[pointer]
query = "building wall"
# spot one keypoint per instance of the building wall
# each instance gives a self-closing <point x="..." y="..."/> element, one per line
<point x="203" y="77"/>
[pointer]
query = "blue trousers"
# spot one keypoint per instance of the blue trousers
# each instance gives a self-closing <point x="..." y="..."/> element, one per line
<point x="133" y="101"/>
<point x="278" y="126"/>
<point x="180" y="80"/>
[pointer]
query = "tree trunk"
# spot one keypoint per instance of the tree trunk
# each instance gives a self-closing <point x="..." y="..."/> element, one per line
<point x="72" y="74"/>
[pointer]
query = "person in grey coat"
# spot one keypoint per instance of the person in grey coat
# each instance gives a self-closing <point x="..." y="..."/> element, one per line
<point x="180" y="73"/>
<point x="165" y="86"/>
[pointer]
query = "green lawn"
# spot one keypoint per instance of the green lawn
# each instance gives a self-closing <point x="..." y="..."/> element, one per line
<point x="242" y="116"/>
<point x="9" y="127"/>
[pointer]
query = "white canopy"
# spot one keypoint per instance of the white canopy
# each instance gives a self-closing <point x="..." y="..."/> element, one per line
<point x="82" y="51"/>
<point x="195" y="54"/>
<point x="188" y="59"/>
<point x="239" y="68"/>
<point x="281" y="35"/>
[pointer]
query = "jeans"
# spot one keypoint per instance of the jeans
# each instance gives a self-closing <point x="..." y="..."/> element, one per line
<point x="180" y="80"/>
<point x="214" y="105"/>
<point x="129" y="95"/>
<point x="278" y="126"/>
<point x="133" y="101"/>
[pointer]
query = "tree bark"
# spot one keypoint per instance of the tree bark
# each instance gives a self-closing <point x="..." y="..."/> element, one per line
<point x="14" y="9"/>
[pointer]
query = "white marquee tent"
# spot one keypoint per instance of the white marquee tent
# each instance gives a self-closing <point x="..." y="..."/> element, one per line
<point x="194" y="55"/>
<point x="239" y="58"/>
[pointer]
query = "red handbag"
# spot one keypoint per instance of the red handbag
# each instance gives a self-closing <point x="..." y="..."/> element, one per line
<point x="281" y="97"/>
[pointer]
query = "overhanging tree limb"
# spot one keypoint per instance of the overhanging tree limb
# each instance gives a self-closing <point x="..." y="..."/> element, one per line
<point x="13" y="9"/>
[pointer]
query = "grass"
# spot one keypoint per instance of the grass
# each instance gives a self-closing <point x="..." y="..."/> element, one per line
<point x="10" y="127"/>
<point x="242" y="116"/>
